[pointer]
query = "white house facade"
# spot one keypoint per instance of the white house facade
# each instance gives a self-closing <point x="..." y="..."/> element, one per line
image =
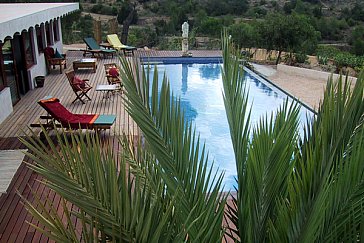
<point x="26" y="29"/>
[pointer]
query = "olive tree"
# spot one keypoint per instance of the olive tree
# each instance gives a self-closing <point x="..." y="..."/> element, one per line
<point x="292" y="33"/>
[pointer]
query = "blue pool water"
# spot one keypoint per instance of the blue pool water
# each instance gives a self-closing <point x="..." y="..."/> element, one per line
<point x="199" y="87"/>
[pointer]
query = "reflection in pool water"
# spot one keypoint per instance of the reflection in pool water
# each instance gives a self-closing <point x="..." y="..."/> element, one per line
<point x="199" y="87"/>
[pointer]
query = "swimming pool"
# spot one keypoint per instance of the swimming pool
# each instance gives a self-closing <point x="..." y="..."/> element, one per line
<point x="199" y="86"/>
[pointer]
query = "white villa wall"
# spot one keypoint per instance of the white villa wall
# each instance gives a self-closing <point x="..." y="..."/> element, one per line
<point x="59" y="44"/>
<point x="6" y="107"/>
<point x="40" y="69"/>
<point x="29" y="15"/>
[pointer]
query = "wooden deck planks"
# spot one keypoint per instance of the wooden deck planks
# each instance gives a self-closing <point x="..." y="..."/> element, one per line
<point x="13" y="215"/>
<point x="27" y="110"/>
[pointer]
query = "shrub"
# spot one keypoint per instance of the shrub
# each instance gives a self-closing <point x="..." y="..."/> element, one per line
<point x="257" y="12"/>
<point x="358" y="47"/>
<point x="345" y="59"/>
<point x="327" y="51"/>
<point x="244" y="35"/>
<point x="322" y="60"/>
<point x="341" y="59"/>
<point x="357" y="40"/>
<point x="211" y="27"/>
<point x="170" y="43"/>
<point x="104" y="9"/>
<point x="142" y="37"/>
<point x="301" y="57"/>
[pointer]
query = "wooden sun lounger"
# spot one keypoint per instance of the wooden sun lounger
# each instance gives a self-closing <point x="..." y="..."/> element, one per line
<point x="58" y="116"/>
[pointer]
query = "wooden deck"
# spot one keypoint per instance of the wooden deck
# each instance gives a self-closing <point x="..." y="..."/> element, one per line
<point x="13" y="216"/>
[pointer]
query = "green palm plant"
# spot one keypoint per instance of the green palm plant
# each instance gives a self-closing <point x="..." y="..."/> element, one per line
<point x="162" y="191"/>
<point x="289" y="188"/>
<point x="293" y="189"/>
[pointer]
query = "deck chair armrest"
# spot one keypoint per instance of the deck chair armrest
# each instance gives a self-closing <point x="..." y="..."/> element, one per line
<point x="56" y="60"/>
<point x="86" y="88"/>
<point x="87" y="85"/>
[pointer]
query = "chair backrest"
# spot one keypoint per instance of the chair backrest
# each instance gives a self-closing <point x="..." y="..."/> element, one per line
<point x="57" y="110"/>
<point x="108" y="66"/>
<point x="49" y="52"/>
<point x="70" y="76"/>
<point x="114" y="41"/>
<point x="91" y="43"/>
<point x="112" y="73"/>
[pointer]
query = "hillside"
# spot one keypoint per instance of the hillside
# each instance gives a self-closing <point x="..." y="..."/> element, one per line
<point x="157" y="24"/>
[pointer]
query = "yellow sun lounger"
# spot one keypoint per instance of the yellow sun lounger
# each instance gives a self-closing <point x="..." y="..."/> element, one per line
<point x="115" y="42"/>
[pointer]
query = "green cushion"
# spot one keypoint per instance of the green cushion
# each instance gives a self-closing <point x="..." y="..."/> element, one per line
<point x="105" y="120"/>
<point x="58" y="55"/>
<point x="108" y="50"/>
<point x="91" y="43"/>
<point x="129" y="48"/>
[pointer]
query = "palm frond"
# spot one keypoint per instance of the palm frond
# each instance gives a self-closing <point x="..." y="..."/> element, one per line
<point x="180" y="162"/>
<point x="91" y="181"/>
<point x="326" y="186"/>
<point x="263" y="156"/>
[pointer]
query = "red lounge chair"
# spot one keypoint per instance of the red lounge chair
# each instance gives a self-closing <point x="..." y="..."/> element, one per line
<point x="57" y="112"/>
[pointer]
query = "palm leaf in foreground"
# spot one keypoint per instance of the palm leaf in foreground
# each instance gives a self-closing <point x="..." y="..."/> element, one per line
<point x="326" y="190"/>
<point x="161" y="191"/>
<point x="85" y="174"/>
<point x="290" y="190"/>
<point x="181" y="164"/>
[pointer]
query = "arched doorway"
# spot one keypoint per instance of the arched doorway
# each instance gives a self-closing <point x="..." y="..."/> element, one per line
<point x="17" y="57"/>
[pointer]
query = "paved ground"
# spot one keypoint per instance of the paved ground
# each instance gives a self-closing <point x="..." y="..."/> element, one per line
<point x="309" y="91"/>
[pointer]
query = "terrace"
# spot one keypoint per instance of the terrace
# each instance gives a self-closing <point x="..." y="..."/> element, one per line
<point x="13" y="215"/>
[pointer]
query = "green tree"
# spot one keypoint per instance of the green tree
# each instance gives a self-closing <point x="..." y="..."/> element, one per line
<point x="211" y="26"/>
<point x="86" y="25"/>
<point x="244" y="34"/>
<point x="218" y="8"/>
<point x="290" y="188"/>
<point x="331" y="28"/>
<point x="69" y="24"/>
<point x="127" y="16"/>
<point x="357" y="40"/>
<point x="302" y="8"/>
<point x="357" y="12"/>
<point x="127" y="8"/>
<point x="292" y="33"/>
<point x="145" y="36"/>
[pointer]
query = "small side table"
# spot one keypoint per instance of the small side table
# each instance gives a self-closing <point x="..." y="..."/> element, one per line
<point x="85" y="63"/>
<point x="108" y="89"/>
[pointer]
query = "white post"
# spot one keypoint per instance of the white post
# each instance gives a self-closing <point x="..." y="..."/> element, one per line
<point x="185" y="27"/>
